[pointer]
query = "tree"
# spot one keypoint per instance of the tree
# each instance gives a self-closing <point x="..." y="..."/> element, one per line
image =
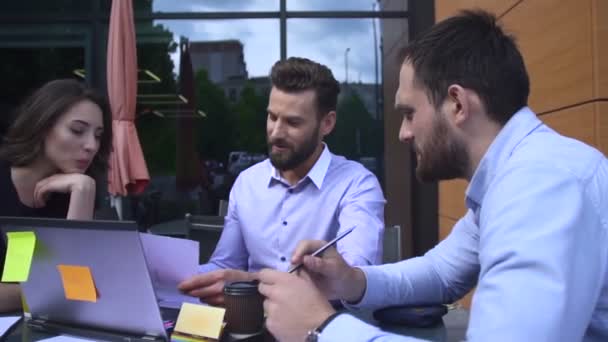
<point x="356" y="133"/>
<point x="217" y="133"/>
<point x="251" y="123"/>
<point x="156" y="134"/>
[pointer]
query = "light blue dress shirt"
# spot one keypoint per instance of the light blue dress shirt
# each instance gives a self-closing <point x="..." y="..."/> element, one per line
<point x="534" y="239"/>
<point x="267" y="217"/>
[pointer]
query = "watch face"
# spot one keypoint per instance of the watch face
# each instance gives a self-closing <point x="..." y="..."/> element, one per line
<point x="312" y="336"/>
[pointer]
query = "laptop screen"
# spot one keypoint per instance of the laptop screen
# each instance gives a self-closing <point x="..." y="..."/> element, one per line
<point x="108" y="252"/>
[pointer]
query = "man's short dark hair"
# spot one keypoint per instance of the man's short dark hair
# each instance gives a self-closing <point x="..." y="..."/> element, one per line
<point x="472" y="50"/>
<point x="299" y="74"/>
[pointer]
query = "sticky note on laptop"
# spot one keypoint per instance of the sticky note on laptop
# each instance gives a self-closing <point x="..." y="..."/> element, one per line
<point x="200" y="321"/>
<point x="78" y="283"/>
<point x="19" y="253"/>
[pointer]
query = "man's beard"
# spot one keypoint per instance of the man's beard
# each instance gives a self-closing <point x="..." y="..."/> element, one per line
<point x="293" y="156"/>
<point x="443" y="156"/>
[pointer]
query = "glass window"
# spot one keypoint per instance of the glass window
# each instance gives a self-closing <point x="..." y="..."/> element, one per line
<point x="350" y="5"/>
<point x="188" y="132"/>
<point x="348" y="48"/>
<point x="27" y="68"/>
<point x="31" y="55"/>
<point x="26" y="7"/>
<point x="148" y="6"/>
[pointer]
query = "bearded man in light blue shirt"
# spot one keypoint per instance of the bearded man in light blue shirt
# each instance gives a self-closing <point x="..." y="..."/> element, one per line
<point x="302" y="191"/>
<point x="534" y="238"/>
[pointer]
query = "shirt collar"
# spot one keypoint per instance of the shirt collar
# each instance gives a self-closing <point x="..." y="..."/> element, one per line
<point x="521" y="124"/>
<point x="316" y="174"/>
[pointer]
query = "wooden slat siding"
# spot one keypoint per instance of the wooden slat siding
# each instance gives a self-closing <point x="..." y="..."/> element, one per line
<point x="444" y="9"/>
<point x="576" y="122"/>
<point x="445" y="226"/>
<point x="555" y="39"/>
<point x="601" y="111"/>
<point x="600" y="47"/>
<point x="451" y="198"/>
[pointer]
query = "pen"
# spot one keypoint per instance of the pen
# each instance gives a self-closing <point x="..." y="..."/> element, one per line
<point x="323" y="248"/>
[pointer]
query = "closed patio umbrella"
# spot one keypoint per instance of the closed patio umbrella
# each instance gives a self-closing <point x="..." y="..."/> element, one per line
<point x="127" y="173"/>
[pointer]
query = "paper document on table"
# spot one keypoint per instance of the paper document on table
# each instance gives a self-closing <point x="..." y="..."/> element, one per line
<point x="64" y="338"/>
<point x="170" y="261"/>
<point x="173" y="299"/>
<point x="7" y="322"/>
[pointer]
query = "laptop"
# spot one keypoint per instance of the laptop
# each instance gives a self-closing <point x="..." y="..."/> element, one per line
<point x="126" y="307"/>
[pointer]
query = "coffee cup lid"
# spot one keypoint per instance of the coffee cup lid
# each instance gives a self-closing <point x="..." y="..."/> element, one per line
<point x="241" y="287"/>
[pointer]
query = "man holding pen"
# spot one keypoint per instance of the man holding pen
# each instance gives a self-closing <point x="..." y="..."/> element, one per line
<point x="534" y="239"/>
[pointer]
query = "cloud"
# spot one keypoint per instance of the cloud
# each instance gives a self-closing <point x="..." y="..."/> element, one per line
<point x="260" y="5"/>
<point x="215" y="5"/>
<point x="323" y="40"/>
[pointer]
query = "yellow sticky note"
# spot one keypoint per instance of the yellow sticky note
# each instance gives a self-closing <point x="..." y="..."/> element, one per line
<point x="78" y="283"/>
<point x="19" y="253"/>
<point x="24" y="305"/>
<point x="200" y="320"/>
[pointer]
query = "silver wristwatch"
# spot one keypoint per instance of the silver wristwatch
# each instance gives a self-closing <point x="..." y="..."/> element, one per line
<point x="313" y="336"/>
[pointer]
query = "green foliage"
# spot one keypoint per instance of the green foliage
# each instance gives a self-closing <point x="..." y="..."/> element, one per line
<point x="217" y="135"/>
<point x="157" y="138"/>
<point x="251" y="123"/>
<point x="157" y="135"/>
<point x="353" y="117"/>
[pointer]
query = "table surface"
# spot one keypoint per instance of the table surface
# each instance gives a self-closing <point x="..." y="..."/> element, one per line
<point x="452" y="329"/>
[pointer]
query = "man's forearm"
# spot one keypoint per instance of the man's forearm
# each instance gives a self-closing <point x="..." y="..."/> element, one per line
<point x="355" y="287"/>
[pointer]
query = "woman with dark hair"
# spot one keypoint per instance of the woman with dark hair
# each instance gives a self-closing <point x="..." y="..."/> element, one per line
<point x="52" y="154"/>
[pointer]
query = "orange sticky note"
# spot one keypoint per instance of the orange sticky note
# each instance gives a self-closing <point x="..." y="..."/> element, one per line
<point x="78" y="283"/>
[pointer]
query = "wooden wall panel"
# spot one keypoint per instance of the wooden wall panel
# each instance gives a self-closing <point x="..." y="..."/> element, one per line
<point x="451" y="198"/>
<point x="601" y="112"/>
<point x="555" y="39"/>
<point x="576" y="122"/>
<point x="600" y="47"/>
<point x="445" y="226"/>
<point x="446" y="8"/>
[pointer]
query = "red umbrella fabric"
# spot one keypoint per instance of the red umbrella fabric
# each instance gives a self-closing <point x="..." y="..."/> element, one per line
<point x="127" y="173"/>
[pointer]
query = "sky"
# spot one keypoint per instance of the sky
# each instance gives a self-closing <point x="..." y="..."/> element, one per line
<point x="333" y="42"/>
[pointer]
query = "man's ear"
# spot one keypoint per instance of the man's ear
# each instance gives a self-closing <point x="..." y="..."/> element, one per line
<point x="456" y="104"/>
<point x="328" y="122"/>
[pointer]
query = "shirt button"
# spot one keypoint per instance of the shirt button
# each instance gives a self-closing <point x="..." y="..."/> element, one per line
<point x="284" y="223"/>
<point x="283" y="259"/>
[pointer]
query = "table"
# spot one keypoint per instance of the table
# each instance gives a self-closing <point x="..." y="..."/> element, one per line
<point x="451" y="330"/>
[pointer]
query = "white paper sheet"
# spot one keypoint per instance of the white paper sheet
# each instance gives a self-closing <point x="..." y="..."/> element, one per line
<point x="64" y="338"/>
<point x="170" y="261"/>
<point x="7" y="322"/>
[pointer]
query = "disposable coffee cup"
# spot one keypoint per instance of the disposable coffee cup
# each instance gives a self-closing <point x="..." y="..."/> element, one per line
<point x="244" y="308"/>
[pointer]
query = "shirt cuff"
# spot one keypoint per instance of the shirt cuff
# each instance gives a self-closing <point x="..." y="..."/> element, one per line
<point x="373" y="279"/>
<point x="208" y="267"/>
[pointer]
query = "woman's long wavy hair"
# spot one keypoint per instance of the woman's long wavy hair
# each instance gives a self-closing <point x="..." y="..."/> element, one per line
<point x="24" y="141"/>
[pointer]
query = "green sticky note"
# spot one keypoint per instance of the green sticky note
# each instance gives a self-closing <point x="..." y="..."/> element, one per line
<point x="19" y="253"/>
